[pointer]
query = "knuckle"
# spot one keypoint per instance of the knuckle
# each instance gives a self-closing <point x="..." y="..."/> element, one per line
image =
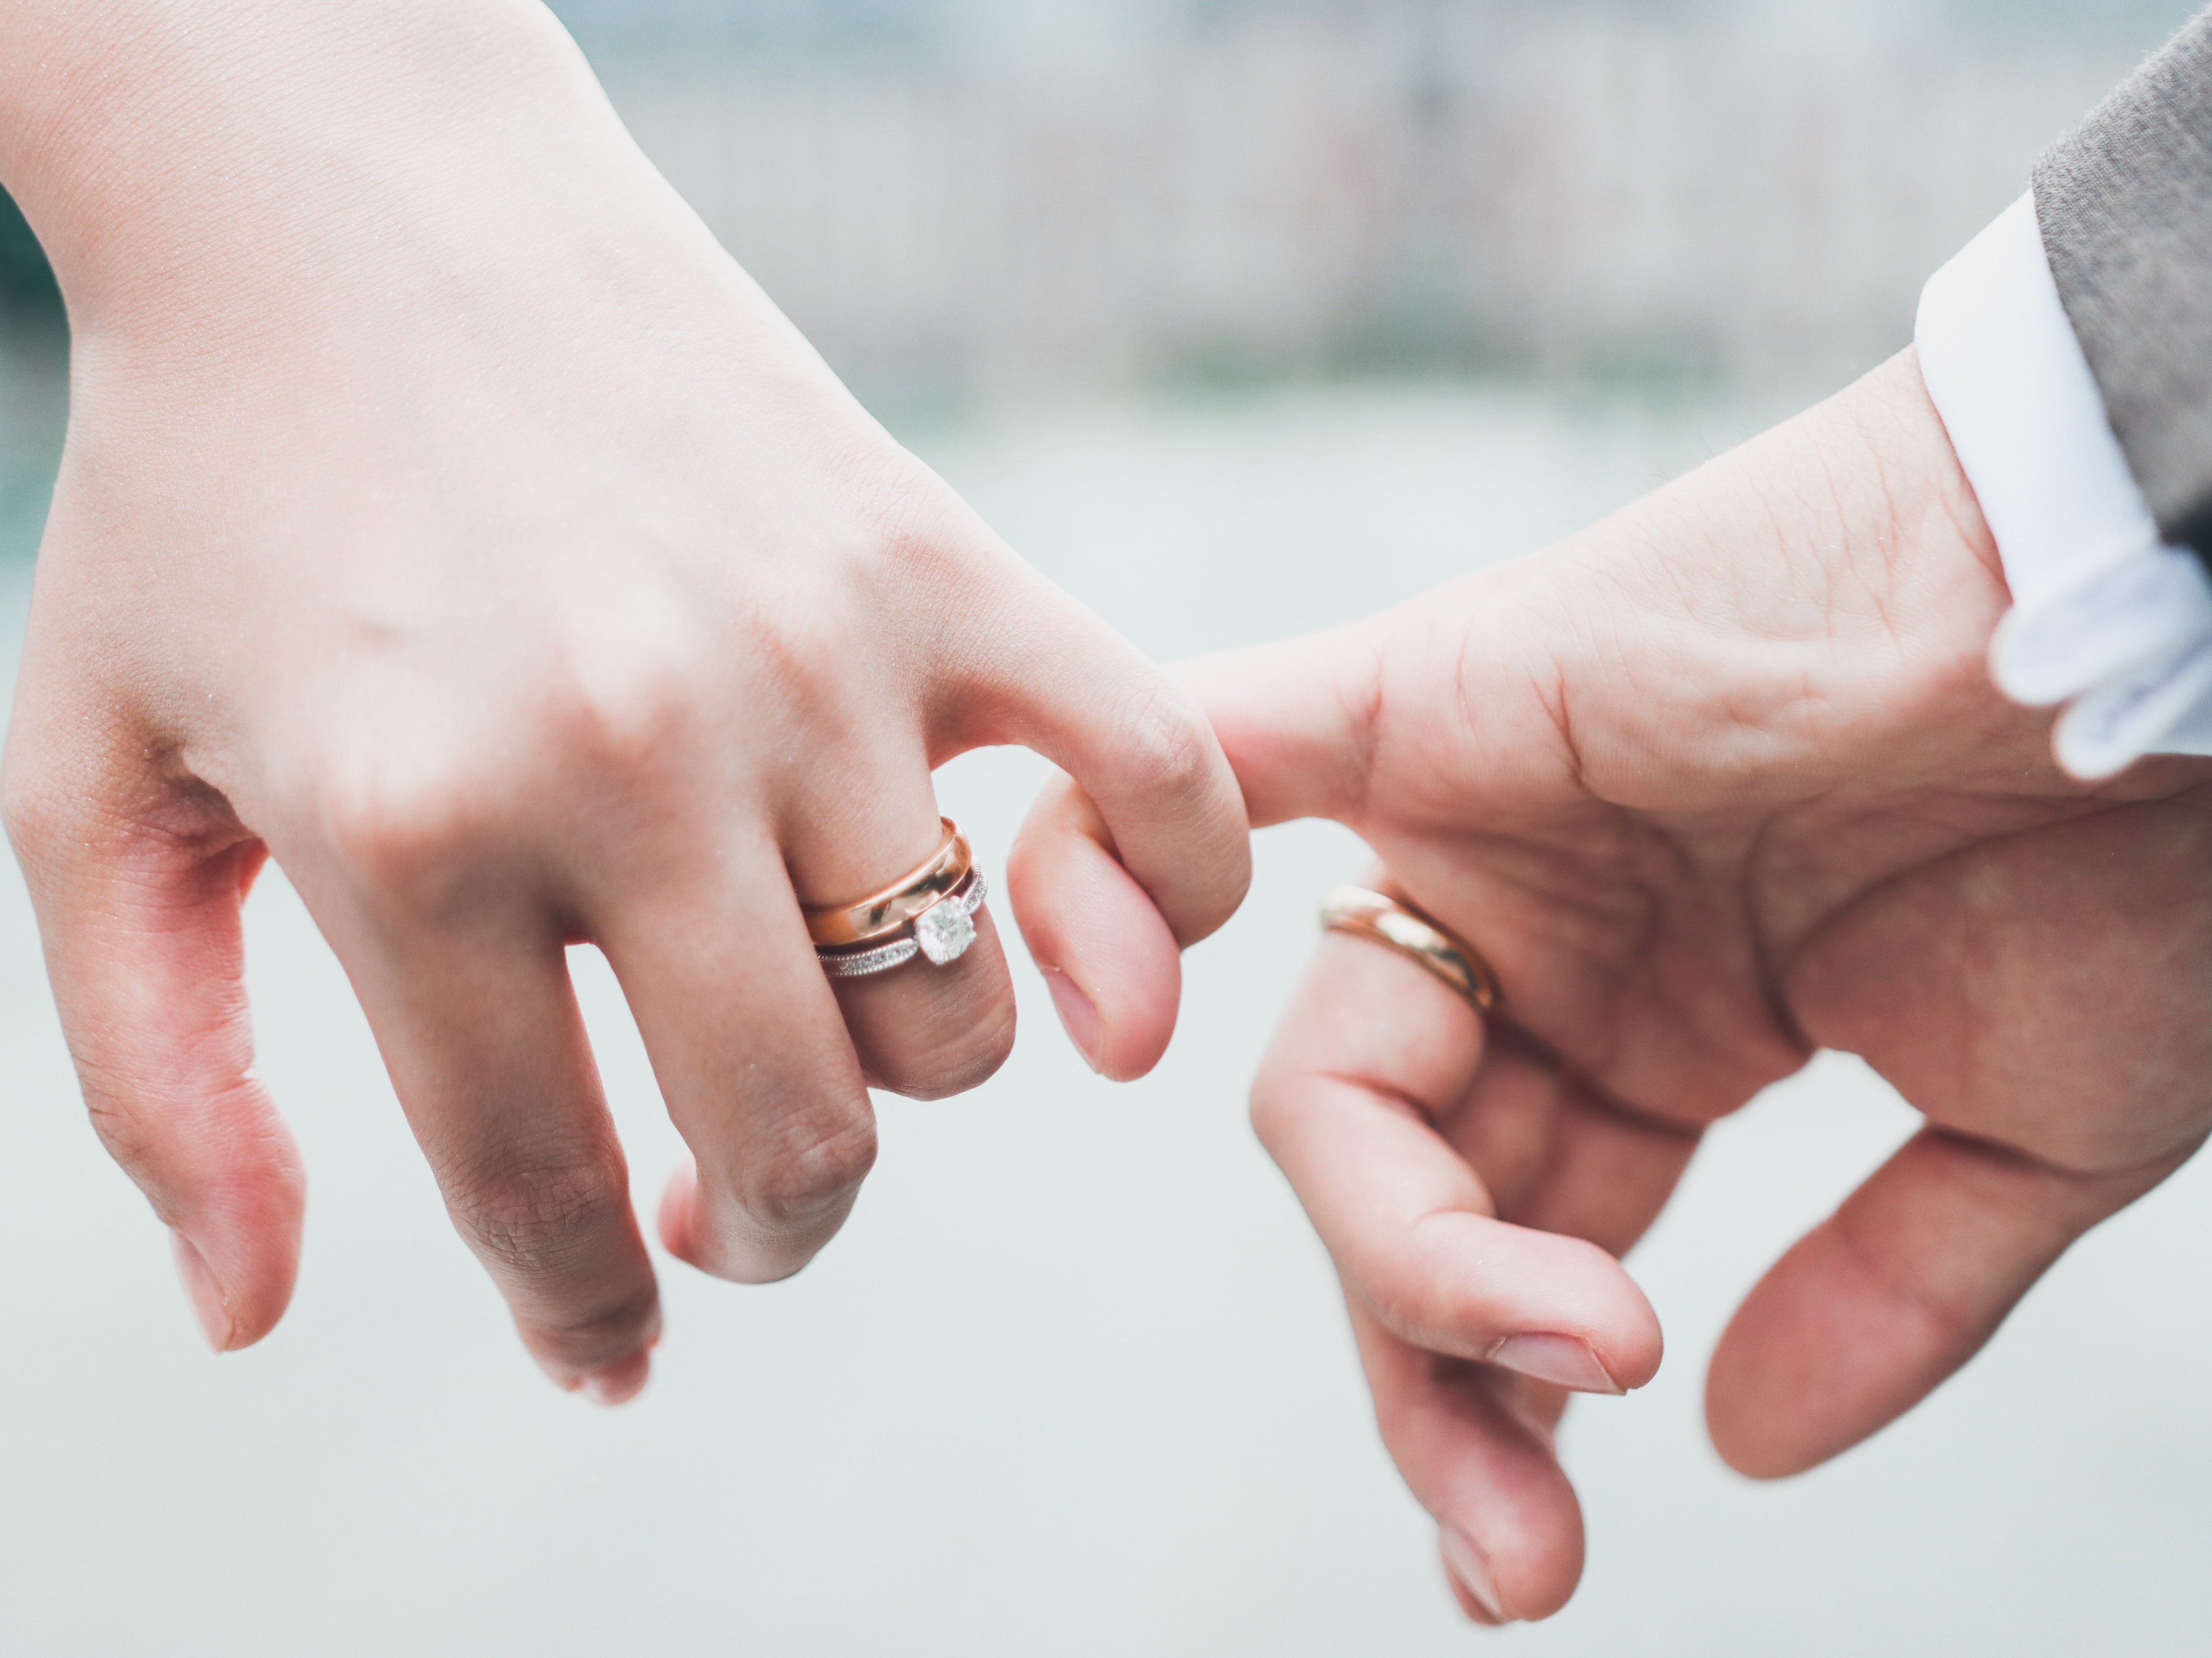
<point x="810" y="648"/>
<point x="809" y="1179"/>
<point x="805" y="663"/>
<point x="1169" y="749"/>
<point x="543" y="1222"/>
<point x="622" y="706"/>
<point x="913" y="536"/>
<point x="911" y="517"/>
<point x="393" y="827"/>
<point x="412" y="822"/>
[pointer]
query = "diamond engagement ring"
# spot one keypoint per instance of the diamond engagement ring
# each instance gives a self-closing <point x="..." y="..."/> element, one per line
<point x="941" y="933"/>
<point x="930" y="913"/>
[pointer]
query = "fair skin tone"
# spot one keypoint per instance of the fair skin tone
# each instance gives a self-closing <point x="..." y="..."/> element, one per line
<point x="447" y="517"/>
<point x="1719" y="783"/>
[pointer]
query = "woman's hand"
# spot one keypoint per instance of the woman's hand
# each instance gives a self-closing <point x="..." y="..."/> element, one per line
<point x="445" y="515"/>
<point x="1716" y="784"/>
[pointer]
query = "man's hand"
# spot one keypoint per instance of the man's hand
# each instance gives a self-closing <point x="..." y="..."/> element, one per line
<point x="446" y="516"/>
<point x="1716" y="784"/>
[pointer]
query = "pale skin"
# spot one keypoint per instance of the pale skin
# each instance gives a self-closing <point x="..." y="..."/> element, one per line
<point x="1716" y="784"/>
<point x="447" y="517"/>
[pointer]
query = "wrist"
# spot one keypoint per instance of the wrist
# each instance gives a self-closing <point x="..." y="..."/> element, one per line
<point x="1902" y="476"/>
<point x="191" y="166"/>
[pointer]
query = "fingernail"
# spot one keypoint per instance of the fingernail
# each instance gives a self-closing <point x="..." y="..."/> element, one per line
<point x="1562" y="1361"/>
<point x="1472" y="1567"/>
<point x="1077" y="1015"/>
<point x="204" y="1292"/>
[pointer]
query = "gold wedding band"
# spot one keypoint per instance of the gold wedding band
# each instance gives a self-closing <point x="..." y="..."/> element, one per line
<point x="889" y="912"/>
<point x="1398" y="926"/>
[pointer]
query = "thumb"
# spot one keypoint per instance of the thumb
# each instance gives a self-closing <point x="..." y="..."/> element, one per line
<point x="142" y="932"/>
<point x="1297" y="719"/>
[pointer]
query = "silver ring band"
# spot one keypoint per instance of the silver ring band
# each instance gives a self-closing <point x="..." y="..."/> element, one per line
<point x="941" y="935"/>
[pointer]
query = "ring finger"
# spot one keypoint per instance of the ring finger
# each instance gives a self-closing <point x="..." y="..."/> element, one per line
<point x="942" y="1021"/>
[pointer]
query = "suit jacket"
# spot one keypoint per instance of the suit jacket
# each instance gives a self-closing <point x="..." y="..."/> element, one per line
<point x="2126" y="209"/>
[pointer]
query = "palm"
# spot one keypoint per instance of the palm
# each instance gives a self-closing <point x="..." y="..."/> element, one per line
<point x="2011" y="954"/>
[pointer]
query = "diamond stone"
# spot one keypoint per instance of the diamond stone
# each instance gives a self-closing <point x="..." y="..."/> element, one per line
<point x="945" y="931"/>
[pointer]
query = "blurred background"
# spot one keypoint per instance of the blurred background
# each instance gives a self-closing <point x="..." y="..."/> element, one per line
<point x="1239" y="316"/>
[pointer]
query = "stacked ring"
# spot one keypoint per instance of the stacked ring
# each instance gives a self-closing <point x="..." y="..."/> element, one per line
<point x="930" y="913"/>
<point x="1397" y="925"/>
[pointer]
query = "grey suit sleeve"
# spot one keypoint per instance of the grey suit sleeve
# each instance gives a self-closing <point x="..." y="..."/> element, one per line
<point x="2125" y="206"/>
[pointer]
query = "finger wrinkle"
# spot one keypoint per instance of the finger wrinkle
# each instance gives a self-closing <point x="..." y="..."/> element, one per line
<point x="1385" y="1093"/>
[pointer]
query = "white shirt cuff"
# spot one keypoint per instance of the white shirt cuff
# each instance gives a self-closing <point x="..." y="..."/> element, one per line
<point x="2105" y="616"/>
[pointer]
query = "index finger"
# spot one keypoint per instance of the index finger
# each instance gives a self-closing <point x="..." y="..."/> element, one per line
<point x="1145" y="852"/>
<point x="1136" y="740"/>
